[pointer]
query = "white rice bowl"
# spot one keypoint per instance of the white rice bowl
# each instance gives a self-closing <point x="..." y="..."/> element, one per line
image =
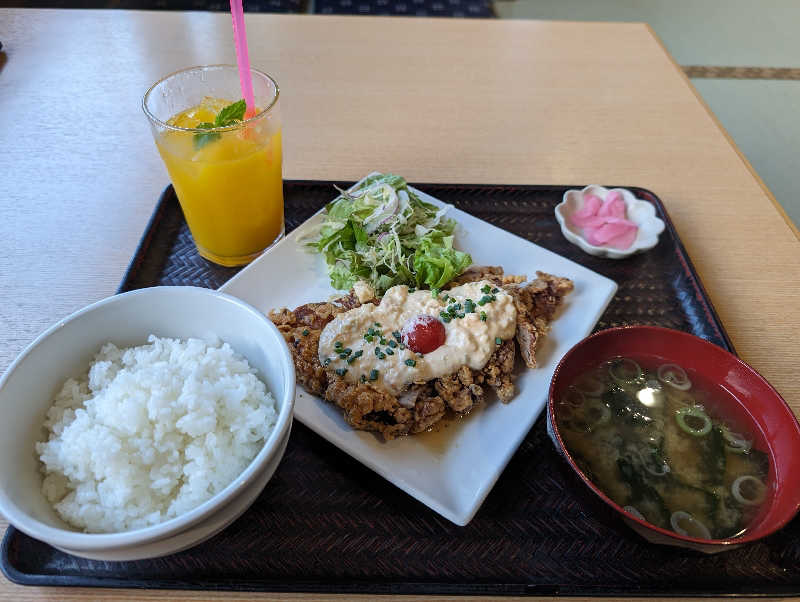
<point x="152" y="432"/>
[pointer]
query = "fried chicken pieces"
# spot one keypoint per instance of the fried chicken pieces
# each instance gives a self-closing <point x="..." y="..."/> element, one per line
<point x="422" y="405"/>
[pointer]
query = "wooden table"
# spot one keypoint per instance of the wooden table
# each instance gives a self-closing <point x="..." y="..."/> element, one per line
<point x="517" y="102"/>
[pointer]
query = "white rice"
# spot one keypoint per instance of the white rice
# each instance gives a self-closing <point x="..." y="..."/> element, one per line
<point x="152" y="432"/>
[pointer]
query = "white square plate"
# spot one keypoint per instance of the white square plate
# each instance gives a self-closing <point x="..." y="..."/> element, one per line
<point x="452" y="471"/>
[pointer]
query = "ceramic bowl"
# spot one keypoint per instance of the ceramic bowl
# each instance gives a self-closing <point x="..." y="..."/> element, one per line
<point x="66" y="349"/>
<point x="747" y="396"/>
<point x="640" y="212"/>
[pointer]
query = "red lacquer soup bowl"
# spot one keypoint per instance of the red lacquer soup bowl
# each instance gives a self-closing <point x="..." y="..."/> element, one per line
<point x="740" y="393"/>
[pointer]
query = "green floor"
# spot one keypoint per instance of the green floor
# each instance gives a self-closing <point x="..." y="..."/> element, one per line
<point x="760" y="114"/>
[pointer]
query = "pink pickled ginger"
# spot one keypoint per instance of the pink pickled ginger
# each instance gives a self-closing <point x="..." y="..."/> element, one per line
<point x="604" y="223"/>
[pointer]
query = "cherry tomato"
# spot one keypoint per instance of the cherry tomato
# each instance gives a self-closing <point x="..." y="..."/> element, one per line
<point x="423" y="334"/>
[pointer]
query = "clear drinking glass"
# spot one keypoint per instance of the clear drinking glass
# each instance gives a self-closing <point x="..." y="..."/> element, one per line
<point x="228" y="179"/>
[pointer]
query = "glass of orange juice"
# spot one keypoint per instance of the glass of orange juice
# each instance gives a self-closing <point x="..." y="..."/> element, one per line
<point x="225" y="165"/>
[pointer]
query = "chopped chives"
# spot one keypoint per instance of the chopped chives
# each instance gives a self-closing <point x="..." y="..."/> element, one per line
<point x="338" y="345"/>
<point x="381" y="356"/>
<point x="483" y="316"/>
<point x="358" y="353"/>
<point x="461" y="315"/>
<point x="498" y="341"/>
<point x="392" y="344"/>
<point x="486" y="289"/>
<point x="377" y="350"/>
<point x="341" y="371"/>
<point x="327" y="361"/>
<point x="373" y="374"/>
<point x="350" y="360"/>
<point x="378" y="324"/>
<point x="363" y="378"/>
<point x="342" y="356"/>
<point x="446" y="319"/>
<point x="305" y="332"/>
<point x="383" y="341"/>
<point x="368" y="338"/>
<point x="389" y="351"/>
<point x="411" y="363"/>
<point x="495" y="290"/>
<point x="434" y="292"/>
<point x="396" y="335"/>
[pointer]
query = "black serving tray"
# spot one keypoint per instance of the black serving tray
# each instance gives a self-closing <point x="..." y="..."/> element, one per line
<point x="326" y="523"/>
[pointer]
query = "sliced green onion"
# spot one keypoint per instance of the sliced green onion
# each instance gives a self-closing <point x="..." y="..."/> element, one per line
<point x="305" y="332"/>
<point x="574" y="398"/>
<point x="381" y="356"/>
<point x="396" y="335"/>
<point x="338" y="345"/>
<point x="596" y="414"/>
<point x="373" y="374"/>
<point x="411" y="363"/>
<point x="358" y="353"/>
<point x="590" y="385"/>
<point x="749" y="490"/>
<point x="392" y="344"/>
<point x="694" y="420"/>
<point x="634" y="512"/>
<point x="684" y="523"/>
<point x="674" y="376"/>
<point x="624" y="370"/>
<point x="363" y="378"/>
<point x="483" y="316"/>
<point x="389" y="351"/>
<point x="498" y="341"/>
<point x="486" y="289"/>
<point x="495" y="290"/>
<point x="341" y="371"/>
<point x="327" y="361"/>
<point x="736" y="442"/>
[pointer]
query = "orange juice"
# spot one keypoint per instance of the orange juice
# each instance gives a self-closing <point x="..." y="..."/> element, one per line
<point x="229" y="185"/>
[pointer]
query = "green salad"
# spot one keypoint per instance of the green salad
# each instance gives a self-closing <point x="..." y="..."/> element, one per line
<point x="384" y="234"/>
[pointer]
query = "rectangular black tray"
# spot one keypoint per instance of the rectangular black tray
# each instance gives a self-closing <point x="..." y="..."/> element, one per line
<point x="326" y="523"/>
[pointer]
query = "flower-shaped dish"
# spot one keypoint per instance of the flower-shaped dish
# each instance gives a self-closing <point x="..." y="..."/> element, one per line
<point x="640" y="212"/>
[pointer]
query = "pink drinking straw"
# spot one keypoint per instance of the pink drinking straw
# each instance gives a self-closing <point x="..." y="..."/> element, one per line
<point x="242" y="58"/>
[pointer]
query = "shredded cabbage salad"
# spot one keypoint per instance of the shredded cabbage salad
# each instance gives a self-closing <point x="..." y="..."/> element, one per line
<point x="384" y="234"/>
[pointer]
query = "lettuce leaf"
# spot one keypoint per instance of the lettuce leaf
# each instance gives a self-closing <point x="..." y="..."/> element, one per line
<point x="385" y="234"/>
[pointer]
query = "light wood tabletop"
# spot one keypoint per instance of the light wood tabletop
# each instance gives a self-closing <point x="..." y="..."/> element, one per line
<point x="470" y="101"/>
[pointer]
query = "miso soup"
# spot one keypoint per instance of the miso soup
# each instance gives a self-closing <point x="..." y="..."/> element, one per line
<point x="657" y="442"/>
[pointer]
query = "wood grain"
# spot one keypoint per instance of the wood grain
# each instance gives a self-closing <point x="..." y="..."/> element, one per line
<point x="519" y="102"/>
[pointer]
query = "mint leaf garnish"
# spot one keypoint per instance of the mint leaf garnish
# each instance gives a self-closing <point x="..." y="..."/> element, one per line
<point x="200" y="140"/>
<point x="230" y="115"/>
